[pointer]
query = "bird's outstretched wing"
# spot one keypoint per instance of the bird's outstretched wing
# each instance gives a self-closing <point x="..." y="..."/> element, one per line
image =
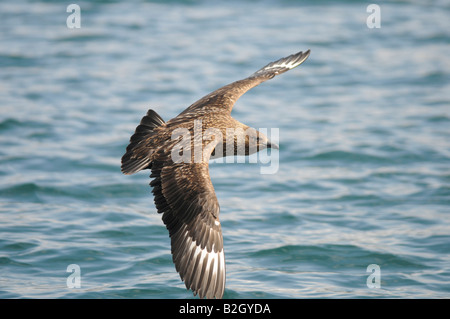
<point x="223" y="99"/>
<point x="185" y="195"/>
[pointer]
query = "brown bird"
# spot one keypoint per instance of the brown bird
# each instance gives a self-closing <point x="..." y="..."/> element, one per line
<point x="177" y="152"/>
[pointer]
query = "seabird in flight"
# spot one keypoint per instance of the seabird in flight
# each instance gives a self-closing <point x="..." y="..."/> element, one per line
<point x="182" y="189"/>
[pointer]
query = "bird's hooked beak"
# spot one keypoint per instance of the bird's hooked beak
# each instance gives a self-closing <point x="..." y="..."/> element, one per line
<point x="272" y="145"/>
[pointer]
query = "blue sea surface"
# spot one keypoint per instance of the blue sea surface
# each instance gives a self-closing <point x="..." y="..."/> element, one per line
<point x="362" y="176"/>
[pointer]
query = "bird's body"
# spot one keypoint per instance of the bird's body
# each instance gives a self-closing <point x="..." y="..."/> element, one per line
<point x="178" y="152"/>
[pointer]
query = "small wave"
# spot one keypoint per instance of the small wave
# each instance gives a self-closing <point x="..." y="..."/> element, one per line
<point x="348" y="156"/>
<point x="19" y="246"/>
<point x="17" y="61"/>
<point x="6" y="261"/>
<point x="21" y="191"/>
<point x="9" y="123"/>
<point x="438" y="119"/>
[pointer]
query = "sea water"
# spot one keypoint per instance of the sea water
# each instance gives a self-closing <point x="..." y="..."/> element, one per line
<point x="356" y="207"/>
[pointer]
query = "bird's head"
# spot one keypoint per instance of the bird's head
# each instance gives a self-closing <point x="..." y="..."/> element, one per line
<point x="256" y="141"/>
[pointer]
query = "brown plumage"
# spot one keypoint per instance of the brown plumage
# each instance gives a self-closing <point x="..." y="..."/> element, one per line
<point x="182" y="188"/>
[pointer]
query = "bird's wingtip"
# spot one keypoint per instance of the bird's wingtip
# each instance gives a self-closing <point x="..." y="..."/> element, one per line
<point x="302" y="56"/>
<point x="282" y="65"/>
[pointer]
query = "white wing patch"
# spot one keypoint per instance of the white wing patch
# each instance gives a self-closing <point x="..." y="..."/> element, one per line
<point x="208" y="273"/>
<point x="283" y="65"/>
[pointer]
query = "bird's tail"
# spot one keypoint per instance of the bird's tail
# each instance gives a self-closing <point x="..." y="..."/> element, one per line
<point x="137" y="156"/>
